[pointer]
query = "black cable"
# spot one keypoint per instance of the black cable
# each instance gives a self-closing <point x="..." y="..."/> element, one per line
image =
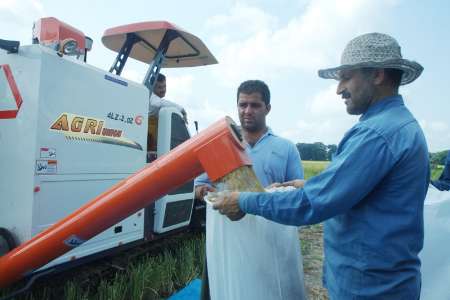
<point x="28" y="285"/>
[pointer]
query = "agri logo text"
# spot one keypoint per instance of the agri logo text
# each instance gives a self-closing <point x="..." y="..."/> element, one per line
<point x="77" y="127"/>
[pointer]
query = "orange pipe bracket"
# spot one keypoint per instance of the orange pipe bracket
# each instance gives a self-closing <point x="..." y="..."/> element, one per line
<point x="218" y="150"/>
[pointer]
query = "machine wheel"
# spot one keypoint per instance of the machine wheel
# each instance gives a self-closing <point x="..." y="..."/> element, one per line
<point x="7" y="242"/>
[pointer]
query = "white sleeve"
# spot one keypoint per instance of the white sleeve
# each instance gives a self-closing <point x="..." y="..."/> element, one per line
<point x="166" y="103"/>
<point x="156" y="103"/>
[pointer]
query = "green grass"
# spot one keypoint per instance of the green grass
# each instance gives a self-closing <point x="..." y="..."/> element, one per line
<point x="148" y="277"/>
<point x="436" y="171"/>
<point x="312" y="168"/>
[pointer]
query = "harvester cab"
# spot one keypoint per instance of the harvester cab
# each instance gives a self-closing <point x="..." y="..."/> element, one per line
<point x="69" y="131"/>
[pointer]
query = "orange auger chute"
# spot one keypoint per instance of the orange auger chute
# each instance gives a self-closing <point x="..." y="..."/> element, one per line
<point x="218" y="150"/>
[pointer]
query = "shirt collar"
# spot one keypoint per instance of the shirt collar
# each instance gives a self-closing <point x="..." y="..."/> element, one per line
<point x="381" y="105"/>
<point x="266" y="134"/>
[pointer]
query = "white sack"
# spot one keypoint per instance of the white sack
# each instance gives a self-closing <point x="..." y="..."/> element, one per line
<point x="252" y="259"/>
<point x="435" y="255"/>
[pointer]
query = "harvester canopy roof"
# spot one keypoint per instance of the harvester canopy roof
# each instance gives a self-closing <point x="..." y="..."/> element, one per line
<point x="186" y="50"/>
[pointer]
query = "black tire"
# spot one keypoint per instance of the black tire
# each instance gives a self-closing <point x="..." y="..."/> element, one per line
<point x="7" y="242"/>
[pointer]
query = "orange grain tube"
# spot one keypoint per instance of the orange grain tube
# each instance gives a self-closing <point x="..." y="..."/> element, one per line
<point x="217" y="151"/>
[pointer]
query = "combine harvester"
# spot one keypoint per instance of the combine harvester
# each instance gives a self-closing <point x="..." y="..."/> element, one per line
<point x="70" y="132"/>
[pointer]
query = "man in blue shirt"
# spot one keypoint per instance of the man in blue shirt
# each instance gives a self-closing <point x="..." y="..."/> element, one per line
<point x="372" y="193"/>
<point x="255" y="258"/>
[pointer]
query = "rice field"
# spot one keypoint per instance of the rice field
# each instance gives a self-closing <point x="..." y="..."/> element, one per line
<point x="312" y="243"/>
<point x="312" y="168"/>
<point x="436" y="171"/>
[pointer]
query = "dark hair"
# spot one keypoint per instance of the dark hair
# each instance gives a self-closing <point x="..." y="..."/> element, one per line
<point x="395" y="76"/>
<point x="255" y="86"/>
<point x="161" y="77"/>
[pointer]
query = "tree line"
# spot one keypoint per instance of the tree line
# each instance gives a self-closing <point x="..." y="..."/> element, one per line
<point x="316" y="151"/>
<point x="438" y="158"/>
<point x="320" y="151"/>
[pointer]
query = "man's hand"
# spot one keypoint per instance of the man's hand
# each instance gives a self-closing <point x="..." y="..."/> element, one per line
<point x="202" y="190"/>
<point x="273" y="185"/>
<point x="228" y="204"/>
<point x="297" y="183"/>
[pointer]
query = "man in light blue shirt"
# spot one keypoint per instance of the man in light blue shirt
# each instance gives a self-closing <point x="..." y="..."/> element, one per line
<point x="372" y="193"/>
<point x="255" y="258"/>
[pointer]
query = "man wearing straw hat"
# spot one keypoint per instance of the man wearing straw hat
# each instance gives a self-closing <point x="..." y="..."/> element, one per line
<point x="372" y="193"/>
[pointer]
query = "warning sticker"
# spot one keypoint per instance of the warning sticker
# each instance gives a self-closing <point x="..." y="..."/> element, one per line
<point x="48" y="153"/>
<point x="73" y="241"/>
<point x="46" y="166"/>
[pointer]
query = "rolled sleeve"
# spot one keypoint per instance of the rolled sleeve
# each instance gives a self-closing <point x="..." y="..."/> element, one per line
<point x="202" y="180"/>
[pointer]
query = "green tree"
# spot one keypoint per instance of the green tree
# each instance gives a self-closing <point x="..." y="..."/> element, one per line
<point x="316" y="151"/>
<point x="331" y="150"/>
<point x="438" y="158"/>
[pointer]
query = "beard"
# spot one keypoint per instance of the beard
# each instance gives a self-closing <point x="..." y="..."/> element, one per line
<point x="358" y="102"/>
<point x="252" y="125"/>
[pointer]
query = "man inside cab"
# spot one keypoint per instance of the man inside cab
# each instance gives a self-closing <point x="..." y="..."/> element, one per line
<point x="157" y="100"/>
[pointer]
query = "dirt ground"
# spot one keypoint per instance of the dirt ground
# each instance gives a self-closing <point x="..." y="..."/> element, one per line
<point x="312" y="249"/>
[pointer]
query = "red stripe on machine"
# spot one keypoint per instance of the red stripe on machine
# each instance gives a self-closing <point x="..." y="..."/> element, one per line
<point x="11" y="114"/>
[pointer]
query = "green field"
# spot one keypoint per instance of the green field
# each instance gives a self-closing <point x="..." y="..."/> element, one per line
<point x="436" y="172"/>
<point x="312" y="243"/>
<point x="145" y="277"/>
<point x="312" y="168"/>
<point x="159" y="276"/>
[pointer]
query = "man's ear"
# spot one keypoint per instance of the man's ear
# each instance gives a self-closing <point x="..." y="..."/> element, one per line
<point x="379" y="76"/>
<point x="268" y="107"/>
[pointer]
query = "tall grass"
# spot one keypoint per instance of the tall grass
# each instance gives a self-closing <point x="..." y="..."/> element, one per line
<point x="149" y="277"/>
<point x="154" y="277"/>
<point x="436" y="171"/>
<point x="312" y="168"/>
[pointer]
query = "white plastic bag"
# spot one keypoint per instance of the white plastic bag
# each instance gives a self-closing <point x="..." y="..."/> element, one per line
<point x="435" y="255"/>
<point x="253" y="259"/>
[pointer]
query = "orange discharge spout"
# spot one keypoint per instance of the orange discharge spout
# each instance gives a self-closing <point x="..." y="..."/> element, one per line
<point x="218" y="150"/>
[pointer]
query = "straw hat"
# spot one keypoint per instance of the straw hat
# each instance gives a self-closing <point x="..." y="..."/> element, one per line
<point x="374" y="50"/>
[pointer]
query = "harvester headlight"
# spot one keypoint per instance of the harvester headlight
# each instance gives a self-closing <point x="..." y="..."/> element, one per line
<point x="69" y="47"/>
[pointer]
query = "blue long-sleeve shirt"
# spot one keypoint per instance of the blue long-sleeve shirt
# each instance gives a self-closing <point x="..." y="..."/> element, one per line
<point x="372" y="196"/>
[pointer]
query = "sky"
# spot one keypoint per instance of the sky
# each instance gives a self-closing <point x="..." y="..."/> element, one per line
<point x="281" y="42"/>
